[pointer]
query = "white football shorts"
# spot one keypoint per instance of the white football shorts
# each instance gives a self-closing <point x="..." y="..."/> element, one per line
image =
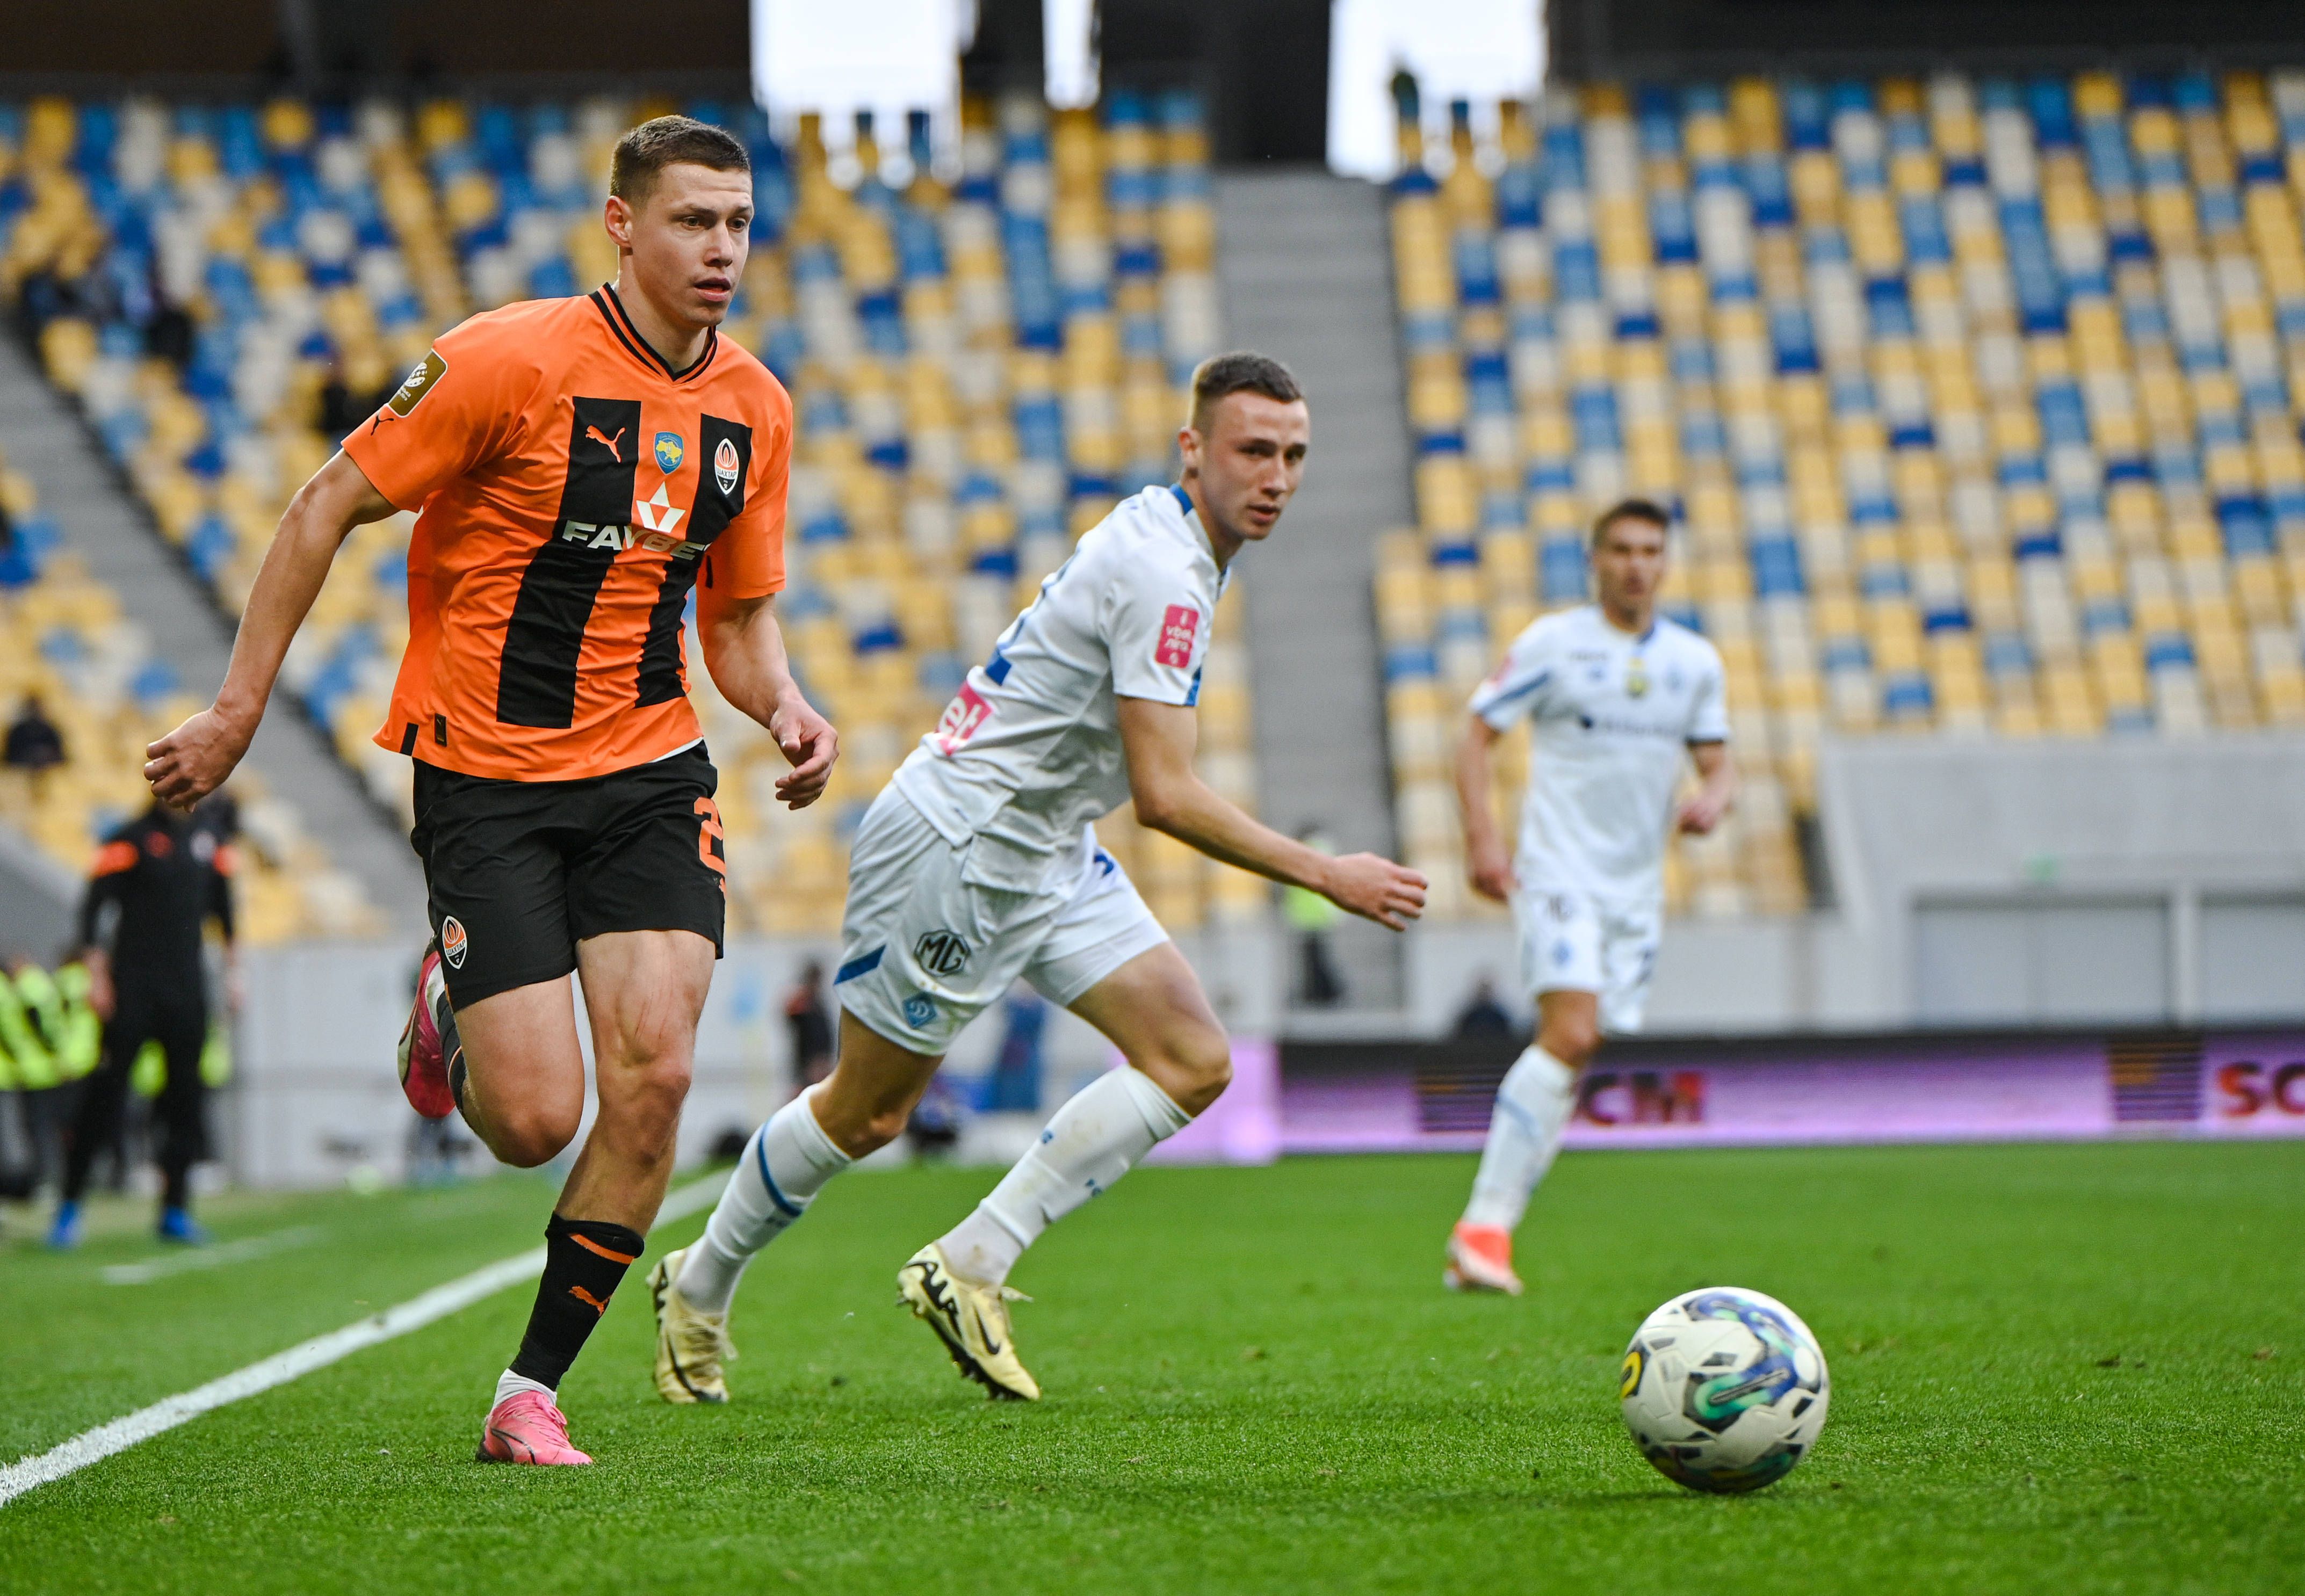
<point x="1572" y="943"/>
<point x="928" y="942"/>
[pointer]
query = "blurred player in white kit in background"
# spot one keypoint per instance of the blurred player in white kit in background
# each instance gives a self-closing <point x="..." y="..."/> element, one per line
<point x="1615" y="693"/>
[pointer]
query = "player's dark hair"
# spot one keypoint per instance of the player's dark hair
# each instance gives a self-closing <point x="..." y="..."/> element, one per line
<point x="1631" y="509"/>
<point x="1239" y="371"/>
<point x="671" y="140"/>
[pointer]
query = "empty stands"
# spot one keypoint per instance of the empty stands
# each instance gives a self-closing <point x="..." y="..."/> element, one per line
<point x="1978" y="399"/>
<point x="981" y="361"/>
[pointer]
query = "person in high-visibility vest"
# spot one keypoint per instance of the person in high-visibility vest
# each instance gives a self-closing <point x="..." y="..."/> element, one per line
<point x="22" y="1030"/>
<point x="81" y="1045"/>
<point x="32" y="1027"/>
<point x="16" y="1184"/>
<point x="157" y="882"/>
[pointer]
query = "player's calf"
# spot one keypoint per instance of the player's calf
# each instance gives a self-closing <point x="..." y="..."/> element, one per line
<point x="519" y="1074"/>
<point x="1571" y="1037"/>
<point x="1192" y="1064"/>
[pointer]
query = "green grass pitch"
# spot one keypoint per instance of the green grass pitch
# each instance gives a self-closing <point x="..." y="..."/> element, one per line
<point x="2055" y="1369"/>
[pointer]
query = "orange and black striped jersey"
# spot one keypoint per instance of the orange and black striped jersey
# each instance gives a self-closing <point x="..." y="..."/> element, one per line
<point x="571" y="489"/>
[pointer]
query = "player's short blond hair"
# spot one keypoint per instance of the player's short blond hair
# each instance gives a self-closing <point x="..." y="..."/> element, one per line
<point x="661" y="142"/>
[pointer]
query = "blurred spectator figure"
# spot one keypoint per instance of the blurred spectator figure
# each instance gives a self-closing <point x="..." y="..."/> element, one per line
<point x="346" y="400"/>
<point x="157" y="882"/>
<point x="169" y="336"/>
<point x="49" y="1041"/>
<point x="935" y="1123"/>
<point x="1483" y="1018"/>
<point x="811" y="1026"/>
<point x="34" y="743"/>
<point x="1311" y="917"/>
<point x="31" y="1032"/>
<point x="1015" y="1086"/>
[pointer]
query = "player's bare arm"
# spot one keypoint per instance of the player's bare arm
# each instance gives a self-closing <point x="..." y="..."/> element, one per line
<point x="194" y="761"/>
<point x="744" y="651"/>
<point x="1706" y="807"/>
<point x="1488" y="862"/>
<point x="1170" y="796"/>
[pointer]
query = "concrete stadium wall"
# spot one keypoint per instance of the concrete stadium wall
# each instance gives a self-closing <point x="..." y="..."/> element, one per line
<point x="38" y="900"/>
<point x="1982" y="883"/>
<point x="2152" y="879"/>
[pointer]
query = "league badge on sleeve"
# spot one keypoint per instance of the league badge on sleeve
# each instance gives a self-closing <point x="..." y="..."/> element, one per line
<point x="1179" y="627"/>
<point x="669" y="451"/>
<point x="418" y="382"/>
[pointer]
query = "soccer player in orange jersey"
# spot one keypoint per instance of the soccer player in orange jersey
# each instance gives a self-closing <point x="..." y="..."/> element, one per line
<point x="579" y="467"/>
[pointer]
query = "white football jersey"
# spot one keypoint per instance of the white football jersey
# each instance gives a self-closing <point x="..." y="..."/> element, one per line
<point x="1028" y="753"/>
<point x="1613" y="714"/>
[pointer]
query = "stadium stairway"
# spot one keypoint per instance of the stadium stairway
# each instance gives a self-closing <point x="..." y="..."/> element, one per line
<point x="1304" y="274"/>
<point x="99" y="519"/>
<point x="39" y="898"/>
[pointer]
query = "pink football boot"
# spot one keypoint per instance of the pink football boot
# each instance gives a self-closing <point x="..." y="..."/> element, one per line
<point x="423" y="1073"/>
<point x="526" y="1428"/>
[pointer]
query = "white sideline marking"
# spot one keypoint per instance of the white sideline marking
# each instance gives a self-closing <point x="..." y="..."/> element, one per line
<point x="122" y="1433"/>
<point x="209" y="1258"/>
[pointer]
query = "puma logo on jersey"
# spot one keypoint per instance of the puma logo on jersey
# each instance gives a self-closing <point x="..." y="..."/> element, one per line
<point x="607" y="443"/>
<point x="586" y="534"/>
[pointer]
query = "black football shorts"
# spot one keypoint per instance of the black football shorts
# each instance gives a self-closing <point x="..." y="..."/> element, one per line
<point x="521" y="871"/>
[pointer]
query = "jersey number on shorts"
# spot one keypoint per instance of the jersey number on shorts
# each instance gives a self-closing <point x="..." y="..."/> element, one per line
<point x="711" y="845"/>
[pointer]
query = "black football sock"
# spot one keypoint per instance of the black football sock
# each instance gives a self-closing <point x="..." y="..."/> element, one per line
<point x="452" y="1048"/>
<point x="584" y="1261"/>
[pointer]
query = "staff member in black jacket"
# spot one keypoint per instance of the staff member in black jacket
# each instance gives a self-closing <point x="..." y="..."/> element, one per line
<point x="157" y="882"/>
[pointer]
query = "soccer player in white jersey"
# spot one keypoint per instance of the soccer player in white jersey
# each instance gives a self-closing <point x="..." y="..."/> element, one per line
<point x="1615" y="693"/>
<point x="978" y="864"/>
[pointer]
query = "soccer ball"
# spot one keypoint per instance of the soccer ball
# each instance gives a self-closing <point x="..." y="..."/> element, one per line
<point x="1724" y="1389"/>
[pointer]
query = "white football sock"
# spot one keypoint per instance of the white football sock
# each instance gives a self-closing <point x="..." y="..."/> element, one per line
<point x="1092" y="1142"/>
<point x="508" y="1383"/>
<point x="784" y="1165"/>
<point x="1532" y="1111"/>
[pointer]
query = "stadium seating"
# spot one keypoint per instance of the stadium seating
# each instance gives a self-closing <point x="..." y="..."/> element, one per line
<point x="62" y="639"/>
<point x="1979" y="400"/>
<point x="981" y="362"/>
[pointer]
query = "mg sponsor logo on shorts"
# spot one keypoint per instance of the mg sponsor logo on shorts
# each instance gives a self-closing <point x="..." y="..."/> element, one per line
<point x="941" y="953"/>
<point x="454" y="942"/>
